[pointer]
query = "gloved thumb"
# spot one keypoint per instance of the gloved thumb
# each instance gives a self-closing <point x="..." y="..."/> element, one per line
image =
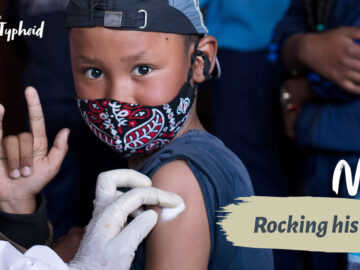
<point x="135" y="232"/>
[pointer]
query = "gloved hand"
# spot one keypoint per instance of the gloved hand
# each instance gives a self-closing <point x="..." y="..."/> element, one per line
<point x="107" y="243"/>
<point x="108" y="182"/>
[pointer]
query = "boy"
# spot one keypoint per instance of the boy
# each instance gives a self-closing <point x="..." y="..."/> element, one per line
<point x="131" y="52"/>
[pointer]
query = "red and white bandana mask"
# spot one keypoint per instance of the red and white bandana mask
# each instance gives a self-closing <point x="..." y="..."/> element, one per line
<point x="135" y="130"/>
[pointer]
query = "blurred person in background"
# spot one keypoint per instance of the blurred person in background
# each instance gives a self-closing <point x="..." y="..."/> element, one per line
<point x="245" y="112"/>
<point x="318" y="44"/>
<point x="245" y="107"/>
<point x="47" y="67"/>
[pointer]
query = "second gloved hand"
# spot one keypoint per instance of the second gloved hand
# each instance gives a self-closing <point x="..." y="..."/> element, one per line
<point x="110" y="243"/>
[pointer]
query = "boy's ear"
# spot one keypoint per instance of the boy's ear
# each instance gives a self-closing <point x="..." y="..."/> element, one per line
<point x="208" y="45"/>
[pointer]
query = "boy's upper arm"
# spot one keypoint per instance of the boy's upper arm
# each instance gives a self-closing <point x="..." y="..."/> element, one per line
<point x="182" y="243"/>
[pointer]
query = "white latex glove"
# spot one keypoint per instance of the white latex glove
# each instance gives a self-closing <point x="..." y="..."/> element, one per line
<point x="107" y="243"/>
<point x="108" y="182"/>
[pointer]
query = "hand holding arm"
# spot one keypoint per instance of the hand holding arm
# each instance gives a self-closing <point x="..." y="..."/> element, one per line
<point x="110" y="243"/>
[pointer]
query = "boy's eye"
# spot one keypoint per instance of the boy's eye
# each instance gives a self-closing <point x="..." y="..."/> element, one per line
<point x="94" y="73"/>
<point x="142" y="70"/>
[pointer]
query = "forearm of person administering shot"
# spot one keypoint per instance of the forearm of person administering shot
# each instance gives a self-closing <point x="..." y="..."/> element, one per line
<point x="106" y="233"/>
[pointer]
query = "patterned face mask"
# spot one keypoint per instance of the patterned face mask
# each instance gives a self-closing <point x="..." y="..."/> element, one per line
<point x="135" y="130"/>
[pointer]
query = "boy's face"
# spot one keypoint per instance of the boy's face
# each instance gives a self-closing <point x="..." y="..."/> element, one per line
<point x="144" y="68"/>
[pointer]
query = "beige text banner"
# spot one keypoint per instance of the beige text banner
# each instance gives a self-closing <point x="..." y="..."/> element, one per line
<point x="298" y="223"/>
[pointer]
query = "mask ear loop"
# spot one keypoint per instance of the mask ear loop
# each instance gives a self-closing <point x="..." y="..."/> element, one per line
<point x="207" y="63"/>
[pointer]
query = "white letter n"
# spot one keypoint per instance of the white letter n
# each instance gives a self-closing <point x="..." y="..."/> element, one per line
<point x="351" y="187"/>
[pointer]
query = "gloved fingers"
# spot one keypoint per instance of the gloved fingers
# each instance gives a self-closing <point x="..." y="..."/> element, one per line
<point x="100" y="206"/>
<point x="116" y="214"/>
<point x="108" y="182"/>
<point x="118" y="193"/>
<point x="133" y="199"/>
<point x="137" y="212"/>
<point x="135" y="232"/>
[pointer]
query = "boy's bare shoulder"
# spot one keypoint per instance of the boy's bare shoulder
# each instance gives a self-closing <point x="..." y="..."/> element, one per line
<point x="176" y="175"/>
<point x="182" y="243"/>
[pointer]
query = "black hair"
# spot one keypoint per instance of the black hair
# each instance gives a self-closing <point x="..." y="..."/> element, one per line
<point x="189" y="40"/>
<point x="317" y="13"/>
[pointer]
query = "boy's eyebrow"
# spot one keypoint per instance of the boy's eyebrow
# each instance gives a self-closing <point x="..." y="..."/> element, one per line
<point x="137" y="56"/>
<point x="88" y="60"/>
<point x="131" y="58"/>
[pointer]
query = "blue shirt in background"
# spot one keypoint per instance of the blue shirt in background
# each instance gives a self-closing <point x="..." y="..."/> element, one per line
<point x="243" y="25"/>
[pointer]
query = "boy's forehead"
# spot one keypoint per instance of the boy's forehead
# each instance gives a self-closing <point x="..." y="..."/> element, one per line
<point x="128" y="43"/>
<point x="99" y="34"/>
